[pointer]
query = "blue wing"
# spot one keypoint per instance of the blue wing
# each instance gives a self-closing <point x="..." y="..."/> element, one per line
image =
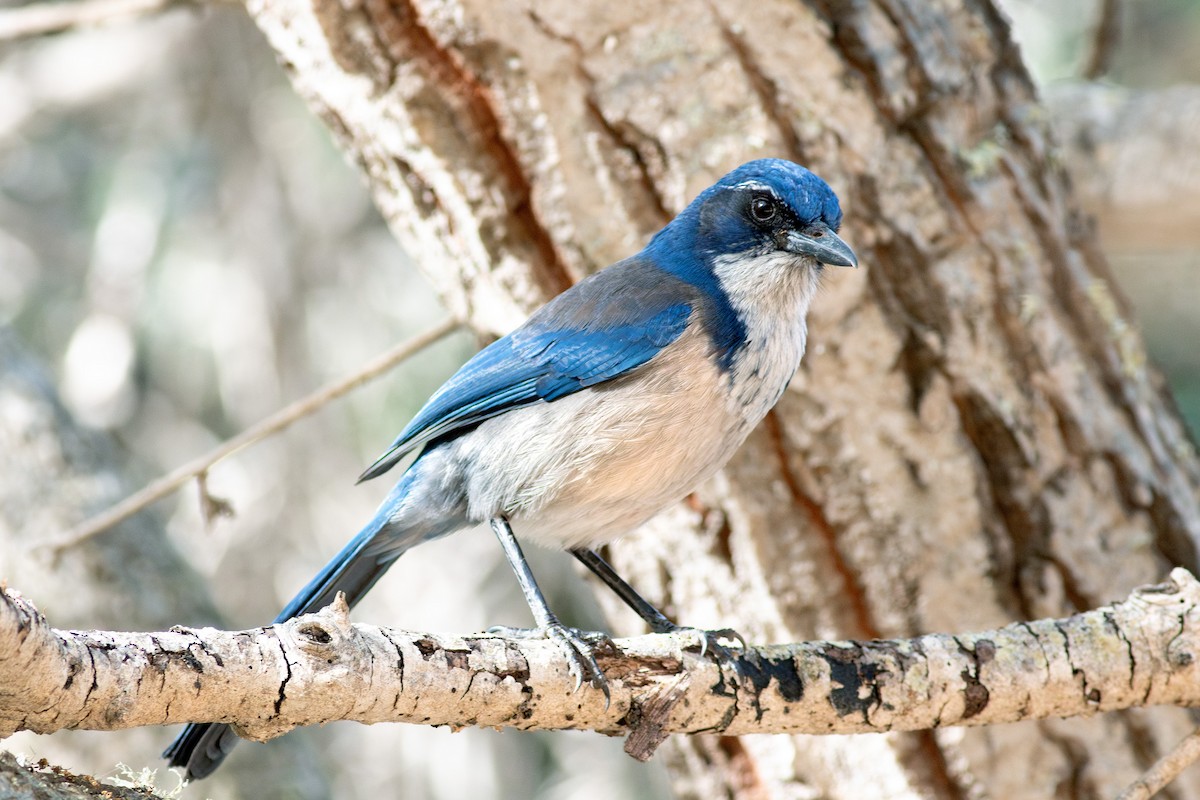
<point x="603" y="327"/>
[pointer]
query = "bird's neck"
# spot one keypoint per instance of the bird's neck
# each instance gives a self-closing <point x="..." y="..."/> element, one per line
<point x="677" y="250"/>
<point x="755" y="304"/>
<point x="771" y="295"/>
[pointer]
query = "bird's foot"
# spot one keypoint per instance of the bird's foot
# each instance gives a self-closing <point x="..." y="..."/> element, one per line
<point x="578" y="645"/>
<point x="705" y="641"/>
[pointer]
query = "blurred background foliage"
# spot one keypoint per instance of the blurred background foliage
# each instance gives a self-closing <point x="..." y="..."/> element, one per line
<point x="185" y="250"/>
<point x="1156" y="49"/>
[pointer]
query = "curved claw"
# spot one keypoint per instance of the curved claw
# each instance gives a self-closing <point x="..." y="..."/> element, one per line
<point x="710" y="640"/>
<point x="580" y="651"/>
<point x="728" y="633"/>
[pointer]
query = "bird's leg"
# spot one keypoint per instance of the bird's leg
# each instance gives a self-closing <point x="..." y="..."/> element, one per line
<point x="579" y="650"/>
<point x="658" y="621"/>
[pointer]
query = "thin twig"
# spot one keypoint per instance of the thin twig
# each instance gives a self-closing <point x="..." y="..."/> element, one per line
<point x="1165" y="770"/>
<point x="41" y="19"/>
<point x="267" y="427"/>
<point x="1105" y="38"/>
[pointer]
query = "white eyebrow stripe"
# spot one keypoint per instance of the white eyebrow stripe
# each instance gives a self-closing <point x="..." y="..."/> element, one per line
<point x="758" y="186"/>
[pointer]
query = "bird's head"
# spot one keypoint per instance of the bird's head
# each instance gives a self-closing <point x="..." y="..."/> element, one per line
<point x="755" y="243"/>
<point x="766" y="224"/>
<point x="771" y="207"/>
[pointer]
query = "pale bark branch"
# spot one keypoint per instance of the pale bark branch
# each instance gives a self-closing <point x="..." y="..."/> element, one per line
<point x="320" y="668"/>
<point x="1165" y="770"/>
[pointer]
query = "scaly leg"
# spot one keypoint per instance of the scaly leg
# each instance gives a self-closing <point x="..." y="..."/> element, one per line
<point x="574" y="642"/>
<point x="658" y="621"/>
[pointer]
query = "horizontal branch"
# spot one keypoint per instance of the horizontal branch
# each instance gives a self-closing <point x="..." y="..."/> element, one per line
<point x="321" y="668"/>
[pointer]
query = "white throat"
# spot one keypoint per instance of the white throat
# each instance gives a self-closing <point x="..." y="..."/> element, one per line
<point x="771" y="294"/>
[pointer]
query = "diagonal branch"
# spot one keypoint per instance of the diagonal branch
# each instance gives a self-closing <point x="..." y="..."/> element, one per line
<point x="40" y="19"/>
<point x="1165" y="770"/>
<point x="1105" y="38"/>
<point x="321" y="668"/>
<point x="286" y="416"/>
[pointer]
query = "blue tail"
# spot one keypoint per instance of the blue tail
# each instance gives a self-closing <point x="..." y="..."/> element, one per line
<point x="353" y="571"/>
<point x="406" y="518"/>
<point x="202" y="747"/>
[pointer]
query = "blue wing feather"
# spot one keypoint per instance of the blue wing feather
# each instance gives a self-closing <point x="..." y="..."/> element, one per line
<point x="605" y="326"/>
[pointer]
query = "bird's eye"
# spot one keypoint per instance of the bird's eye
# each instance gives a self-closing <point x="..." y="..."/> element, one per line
<point x="762" y="209"/>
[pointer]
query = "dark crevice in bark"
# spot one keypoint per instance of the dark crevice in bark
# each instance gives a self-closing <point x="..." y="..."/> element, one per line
<point x="1079" y="600"/>
<point x="427" y="201"/>
<point x="847" y="21"/>
<point x="409" y="40"/>
<point x="918" y="365"/>
<point x="1171" y="533"/>
<point x="1008" y="53"/>
<point x="722" y="537"/>
<point x="1069" y="282"/>
<point x="744" y="781"/>
<point x="765" y="90"/>
<point x="852" y="591"/>
<point x="947" y="175"/>
<point x="899" y="281"/>
<point x="94" y="685"/>
<point x="1071" y="433"/>
<point x="1003" y="460"/>
<point x="923" y="758"/>
<point x="626" y="139"/>
<point x="623" y="137"/>
<point x="284" y="682"/>
<point x="947" y="169"/>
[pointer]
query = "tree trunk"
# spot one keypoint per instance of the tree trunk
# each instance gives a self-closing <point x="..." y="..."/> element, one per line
<point x="974" y="437"/>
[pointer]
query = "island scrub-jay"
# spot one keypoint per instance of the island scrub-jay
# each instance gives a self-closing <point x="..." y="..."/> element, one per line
<point x="612" y="401"/>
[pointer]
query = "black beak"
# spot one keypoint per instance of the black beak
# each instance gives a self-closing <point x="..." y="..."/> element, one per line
<point x="824" y="245"/>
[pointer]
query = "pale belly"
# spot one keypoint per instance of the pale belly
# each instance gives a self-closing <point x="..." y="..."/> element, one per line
<point x="592" y="466"/>
<point x="586" y="470"/>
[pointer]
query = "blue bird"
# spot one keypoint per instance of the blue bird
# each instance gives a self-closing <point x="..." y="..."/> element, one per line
<point x="611" y="402"/>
